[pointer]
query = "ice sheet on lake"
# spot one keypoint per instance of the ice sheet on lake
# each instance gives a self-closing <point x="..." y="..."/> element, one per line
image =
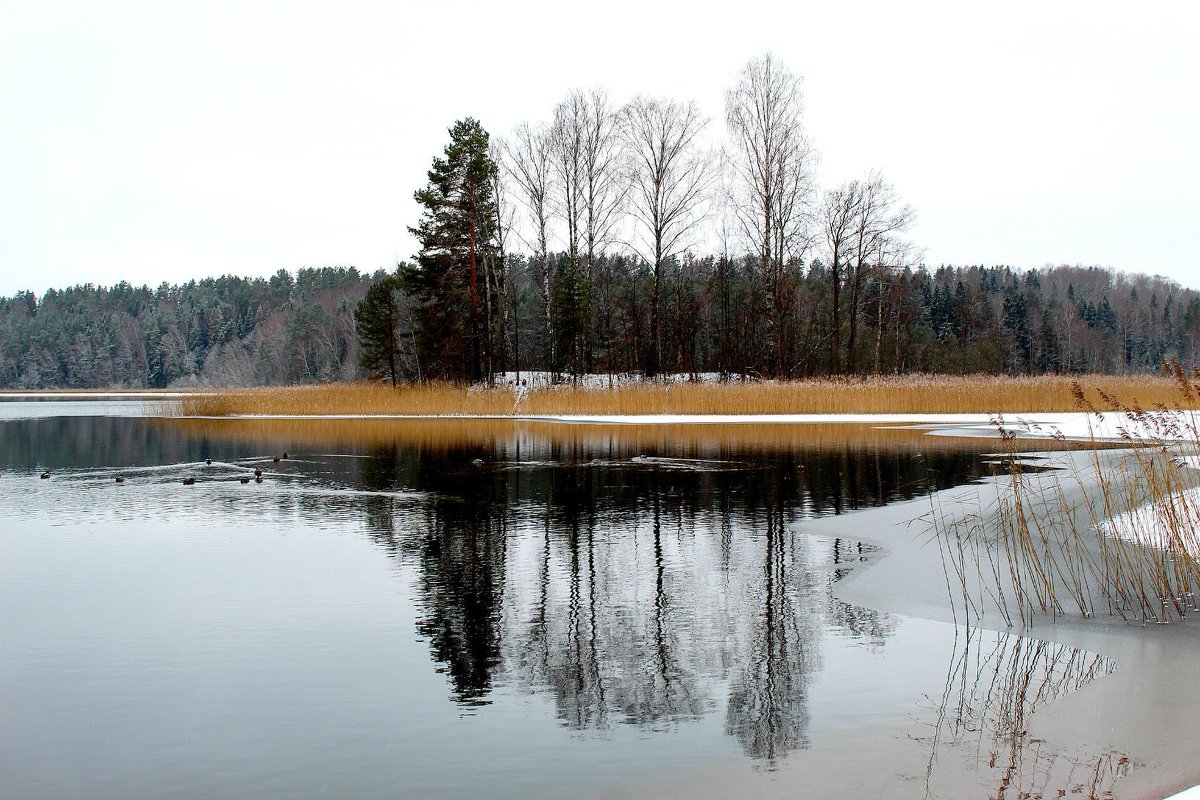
<point x="1163" y="524"/>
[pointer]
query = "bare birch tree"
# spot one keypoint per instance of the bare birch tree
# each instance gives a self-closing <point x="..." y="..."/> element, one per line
<point x="669" y="175"/>
<point x="838" y="218"/>
<point x="771" y="159"/>
<point x="569" y="157"/>
<point x="529" y="163"/>
<point x="603" y="188"/>
<point x="603" y="194"/>
<point x="496" y="268"/>
<point x="727" y="230"/>
<point x="772" y="188"/>
<point x="881" y="218"/>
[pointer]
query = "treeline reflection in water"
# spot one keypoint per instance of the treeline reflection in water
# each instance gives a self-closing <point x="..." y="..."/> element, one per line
<point x="637" y="577"/>
<point x="650" y="575"/>
<point x="632" y="588"/>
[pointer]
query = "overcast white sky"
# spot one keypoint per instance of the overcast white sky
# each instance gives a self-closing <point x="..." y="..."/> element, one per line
<point x="163" y="141"/>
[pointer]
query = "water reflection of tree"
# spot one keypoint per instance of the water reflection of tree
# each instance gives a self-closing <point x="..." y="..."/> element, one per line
<point x="458" y="537"/>
<point x="602" y="628"/>
<point x="994" y="683"/>
<point x="868" y="626"/>
<point x="378" y="472"/>
<point x="571" y="666"/>
<point x="630" y="595"/>
<point x="637" y="614"/>
<point x="462" y="560"/>
<point x="768" y="701"/>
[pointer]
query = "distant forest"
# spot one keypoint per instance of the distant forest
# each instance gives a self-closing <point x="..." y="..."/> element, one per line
<point x="226" y="331"/>
<point x="233" y="331"/>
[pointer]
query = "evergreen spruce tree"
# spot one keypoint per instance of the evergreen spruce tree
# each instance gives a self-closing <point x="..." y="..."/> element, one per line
<point x="377" y="322"/>
<point x="450" y="280"/>
<point x="571" y="304"/>
<point x="1015" y="319"/>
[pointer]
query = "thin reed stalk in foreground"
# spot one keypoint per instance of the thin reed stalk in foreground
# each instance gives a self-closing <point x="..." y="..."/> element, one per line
<point x="992" y="687"/>
<point x="1126" y="537"/>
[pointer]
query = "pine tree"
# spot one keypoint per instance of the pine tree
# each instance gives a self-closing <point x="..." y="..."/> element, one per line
<point x="450" y="280"/>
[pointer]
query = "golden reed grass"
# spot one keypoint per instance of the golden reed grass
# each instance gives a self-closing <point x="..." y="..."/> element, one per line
<point x="1127" y="538"/>
<point x="986" y="394"/>
<point x="682" y="440"/>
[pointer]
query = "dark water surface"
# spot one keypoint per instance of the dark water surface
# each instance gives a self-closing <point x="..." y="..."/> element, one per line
<point x="404" y="612"/>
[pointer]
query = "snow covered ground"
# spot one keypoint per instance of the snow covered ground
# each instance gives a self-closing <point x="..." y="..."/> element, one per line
<point x="540" y="380"/>
<point x="1170" y="426"/>
<point x="1107" y="427"/>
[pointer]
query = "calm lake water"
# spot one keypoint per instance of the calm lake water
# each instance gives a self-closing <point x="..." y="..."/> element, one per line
<point x="420" y="610"/>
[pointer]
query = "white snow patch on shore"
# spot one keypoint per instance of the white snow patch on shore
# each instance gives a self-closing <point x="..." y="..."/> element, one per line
<point x="1152" y="524"/>
<point x="541" y="380"/>
<point x="1170" y="426"/>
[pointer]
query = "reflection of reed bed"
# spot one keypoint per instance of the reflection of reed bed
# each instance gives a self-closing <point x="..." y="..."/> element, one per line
<point x="993" y="686"/>
<point x="1118" y="530"/>
<point x="940" y="394"/>
<point x="682" y="438"/>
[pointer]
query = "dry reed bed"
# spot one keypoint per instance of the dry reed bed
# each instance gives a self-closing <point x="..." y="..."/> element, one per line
<point x="984" y="394"/>
<point x="1049" y="542"/>
<point x="1044" y="546"/>
<point x="491" y="434"/>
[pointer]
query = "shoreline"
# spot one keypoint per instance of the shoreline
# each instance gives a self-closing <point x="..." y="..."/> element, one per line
<point x="1140" y="710"/>
<point x="1103" y="427"/>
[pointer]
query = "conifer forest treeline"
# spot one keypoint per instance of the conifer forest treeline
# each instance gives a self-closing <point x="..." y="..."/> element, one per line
<point x="618" y="238"/>
<point x="226" y="331"/>
<point x="239" y="332"/>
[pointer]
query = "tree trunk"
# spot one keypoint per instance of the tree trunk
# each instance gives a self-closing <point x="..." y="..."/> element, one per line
<point x="655" y="336"/>
<point x="552" y="357"/>
<point x="836" y="334"/>
<point x="879" y="326"/>
<point x="851" y="358"/>
<point x="474" y="371"/>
